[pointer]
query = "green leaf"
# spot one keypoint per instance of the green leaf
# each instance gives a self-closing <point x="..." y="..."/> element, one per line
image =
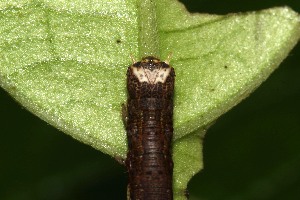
<point x="66" y="62"/>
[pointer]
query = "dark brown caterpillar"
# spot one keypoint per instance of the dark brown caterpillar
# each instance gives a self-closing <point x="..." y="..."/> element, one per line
<point x="150" y="85"/>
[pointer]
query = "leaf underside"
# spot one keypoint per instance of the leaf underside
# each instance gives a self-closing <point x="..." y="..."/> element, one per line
<point x="66" y="62"/>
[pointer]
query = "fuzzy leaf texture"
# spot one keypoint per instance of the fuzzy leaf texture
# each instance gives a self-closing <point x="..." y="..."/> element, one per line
<point x="66" y="61"/>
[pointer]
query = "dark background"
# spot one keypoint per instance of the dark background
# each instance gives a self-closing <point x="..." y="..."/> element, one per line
<point x="250" y="153"/>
